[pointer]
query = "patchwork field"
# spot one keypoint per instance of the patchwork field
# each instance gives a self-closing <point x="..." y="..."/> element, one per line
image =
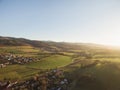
<point x="30" y="69"/>
<point x="87" y="66"/>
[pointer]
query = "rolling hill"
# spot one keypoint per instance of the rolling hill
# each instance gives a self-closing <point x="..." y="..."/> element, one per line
<point x="88" y="66"/>
<point x="49" y="45"/>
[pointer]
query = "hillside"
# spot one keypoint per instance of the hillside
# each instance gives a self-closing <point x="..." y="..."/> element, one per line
<point x="34" y="47"/>
<point x="49" y="45"/>
<point x="87" y="66"/>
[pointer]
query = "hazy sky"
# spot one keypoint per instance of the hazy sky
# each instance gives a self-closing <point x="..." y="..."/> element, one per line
<point x="95" y="21"/>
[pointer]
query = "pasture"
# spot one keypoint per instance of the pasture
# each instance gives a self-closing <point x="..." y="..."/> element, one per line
<point x="104" y="75"/>
<point x="25" y="71"/>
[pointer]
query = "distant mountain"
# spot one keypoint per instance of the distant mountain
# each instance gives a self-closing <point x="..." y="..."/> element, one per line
<point x="48" y="45"/>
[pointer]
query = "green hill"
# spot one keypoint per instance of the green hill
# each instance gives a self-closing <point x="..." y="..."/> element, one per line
<point x="88" y="66"/>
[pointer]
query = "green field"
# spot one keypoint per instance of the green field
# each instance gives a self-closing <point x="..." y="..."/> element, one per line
<point x="28" y="70"/>
<point x="51" y="62"/>
<point x="20" y="50"/>
<point x="104" y="75"/>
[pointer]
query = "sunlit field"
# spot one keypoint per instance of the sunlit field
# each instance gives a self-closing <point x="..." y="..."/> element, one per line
<point x="87" y="67"/>
<point x="25" y="71"/>
<point x="55" y="61"/>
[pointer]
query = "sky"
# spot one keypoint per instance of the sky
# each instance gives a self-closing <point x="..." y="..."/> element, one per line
<point x="88" y="21"/>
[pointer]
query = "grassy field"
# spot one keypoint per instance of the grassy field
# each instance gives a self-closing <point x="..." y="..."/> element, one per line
<point x="20" y="50"/>
<point x="51" y="62"/>
<point x="105" y="75"/>
<point x="28" y="70"/>
<point x="102" y="77"/>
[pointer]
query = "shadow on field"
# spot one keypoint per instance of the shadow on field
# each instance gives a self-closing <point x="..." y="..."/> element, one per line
<point x="102" y="76"/>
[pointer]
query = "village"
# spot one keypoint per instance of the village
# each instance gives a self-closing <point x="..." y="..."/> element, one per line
<point x="8" y="59"/>
<point x="53" y="79"/>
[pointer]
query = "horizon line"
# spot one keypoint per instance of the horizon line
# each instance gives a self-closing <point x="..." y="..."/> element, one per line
<point x="77" y="42"/>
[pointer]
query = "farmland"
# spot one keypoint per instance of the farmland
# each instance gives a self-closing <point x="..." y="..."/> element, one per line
<point x="87" y="66"/>
<point x="27" y="70"/>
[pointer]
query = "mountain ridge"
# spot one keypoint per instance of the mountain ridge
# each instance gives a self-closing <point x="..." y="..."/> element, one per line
<point x="48" y="45"/>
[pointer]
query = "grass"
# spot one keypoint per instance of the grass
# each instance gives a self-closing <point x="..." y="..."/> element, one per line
<point x="11" y="72"/>
<point x="103" y="76"/>
<point x="19" y="50"/>
<point x="109" y="59"/>
<point x="51" y="62"/>
<point x="108" y="74"/>
<point x="28" y="70"/>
